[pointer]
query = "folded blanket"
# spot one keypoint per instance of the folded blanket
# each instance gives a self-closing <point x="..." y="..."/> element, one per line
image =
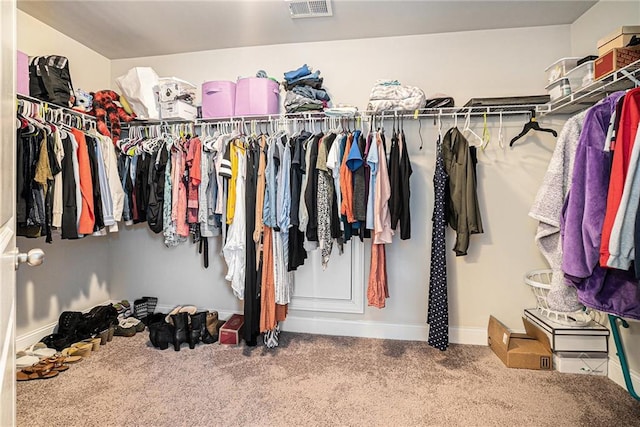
<point x="395" y="97"/>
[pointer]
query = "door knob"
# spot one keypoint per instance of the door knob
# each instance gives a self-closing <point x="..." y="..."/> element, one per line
<point x="34" y="257"/>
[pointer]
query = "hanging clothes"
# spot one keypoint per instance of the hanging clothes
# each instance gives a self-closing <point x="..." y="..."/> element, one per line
<point x="547" y="209"/>
<point x="382" y="219"/>
<point x="87" y="216"/>
<point x="462" y="209"/>
<point x="405" y="171"/>
<point x="438" y="307"/>
<point x="624" y="142"/>
<point x="325" y="199"/>
<point x="297" y="252"/>
<point x="69" y="220"/>
<point x="267" y="291"/>
<point x="235" y="248"/>
<point x="251" y="328"/>
<point x="605" y="289"/>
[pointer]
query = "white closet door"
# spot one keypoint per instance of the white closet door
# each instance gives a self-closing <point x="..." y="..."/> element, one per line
<point x="7" y="209"/>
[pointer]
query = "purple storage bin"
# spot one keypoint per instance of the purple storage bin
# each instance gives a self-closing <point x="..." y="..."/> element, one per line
<point x="22" y="73"/>
<point x="257" y="96"/>
<point x="218" y="99"/>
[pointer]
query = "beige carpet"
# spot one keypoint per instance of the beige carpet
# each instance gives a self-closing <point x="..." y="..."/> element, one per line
<point x="315" y="380"/>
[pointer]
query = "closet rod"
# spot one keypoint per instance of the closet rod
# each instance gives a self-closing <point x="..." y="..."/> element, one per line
<point x="504" y="110"/>
<point x="46" y="104"/>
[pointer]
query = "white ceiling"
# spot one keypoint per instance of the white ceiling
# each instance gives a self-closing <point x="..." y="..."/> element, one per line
<point x="133" y="28"/>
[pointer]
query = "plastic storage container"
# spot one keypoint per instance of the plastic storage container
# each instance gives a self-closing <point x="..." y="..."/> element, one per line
<point x="560" y="68"/>
<point x="257" y="96"/>
<point x="174" y="89"/>
<point x="559" y="88"/>
<point x="22" y="74"/>
<point x="218" y="99"/>
<point x="177" y="110"/>
<point x="581" y="76"/>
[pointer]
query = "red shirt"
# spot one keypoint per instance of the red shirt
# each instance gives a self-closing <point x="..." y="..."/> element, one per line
<point x="625" y="137"/>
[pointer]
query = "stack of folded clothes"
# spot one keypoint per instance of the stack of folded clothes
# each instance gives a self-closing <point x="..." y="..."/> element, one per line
<point x="304" y="91"/>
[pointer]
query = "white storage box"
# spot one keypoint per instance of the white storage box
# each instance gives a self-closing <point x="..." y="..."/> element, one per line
<point x="559" y="89"/>
<point x="581" y="76"/>
<point x="174" y="89"/>
<point x="581" y="363"/>
<point x="590" y="338"/>
<point x="560" y="68"/>
<point x="177" y="110"/>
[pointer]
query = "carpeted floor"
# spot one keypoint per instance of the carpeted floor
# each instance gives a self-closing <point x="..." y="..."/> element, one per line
<point x="318" y="381"/>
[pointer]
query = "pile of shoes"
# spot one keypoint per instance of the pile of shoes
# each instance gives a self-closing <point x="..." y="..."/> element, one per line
<point x="304" y="91"/>
<point x="132" y="321"/>
<point x="74" y="326"/>
<point x="184" y="324"/>
<point x="40" y="362"/>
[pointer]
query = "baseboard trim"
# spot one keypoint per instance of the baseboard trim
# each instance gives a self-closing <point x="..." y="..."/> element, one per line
<point x="381" y="330"/>
<point x="27" y="339"/>
<point x="615" y="374"/>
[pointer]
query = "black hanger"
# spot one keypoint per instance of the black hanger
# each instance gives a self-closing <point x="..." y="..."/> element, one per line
<point x="532" y="124"/>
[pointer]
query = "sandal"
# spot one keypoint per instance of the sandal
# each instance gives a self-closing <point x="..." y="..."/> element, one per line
<point x="71" y="355"/>
<point x="83" y="348"/>
<point x="37" y="372"/>
<point x="40" y="350"/>
<point x="24" y="360"/>
<point x="57" y="362"/>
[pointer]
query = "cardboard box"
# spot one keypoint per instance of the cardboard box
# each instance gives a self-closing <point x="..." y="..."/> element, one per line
<point x="230" y="332"/>
<point x="617" y="39"/>
<point x="526" y="351"/>
<point x="590" y="338"/>
<point x="613" y="60"/>
<point x="581" y="363"/>
<point x="177" y="110"/>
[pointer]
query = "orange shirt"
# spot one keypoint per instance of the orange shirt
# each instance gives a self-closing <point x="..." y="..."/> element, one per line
<point x="87" y="218"/>
<point x="346" y="184"/>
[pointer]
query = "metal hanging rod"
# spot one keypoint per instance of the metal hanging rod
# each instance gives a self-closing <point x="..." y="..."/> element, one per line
<point x="46" y="104"/>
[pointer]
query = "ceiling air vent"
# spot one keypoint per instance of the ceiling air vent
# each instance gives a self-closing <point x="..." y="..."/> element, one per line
<point x="309" y="8"/>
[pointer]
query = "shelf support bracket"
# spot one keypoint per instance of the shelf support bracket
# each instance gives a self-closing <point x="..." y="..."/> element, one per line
<point x="631" y="77"/>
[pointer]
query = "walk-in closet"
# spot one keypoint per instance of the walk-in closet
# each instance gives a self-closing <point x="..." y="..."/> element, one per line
<point x="340" y="212"/>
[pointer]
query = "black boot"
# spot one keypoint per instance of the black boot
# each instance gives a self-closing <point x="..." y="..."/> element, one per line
<point x="197" y="329"/>
<point x="165" y="336"/>
<point x="180" y="333"/>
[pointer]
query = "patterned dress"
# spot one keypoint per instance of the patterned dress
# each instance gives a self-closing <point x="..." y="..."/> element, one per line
<point x="437" y="312"/>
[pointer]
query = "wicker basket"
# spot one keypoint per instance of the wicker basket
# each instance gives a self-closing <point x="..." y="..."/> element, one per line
<point x="540" y="283"/>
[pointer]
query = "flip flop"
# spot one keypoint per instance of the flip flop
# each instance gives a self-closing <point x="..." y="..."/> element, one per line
<point x="24" y="360"/>
<point x="40" y="350"/>
<point x="36" y="373"/>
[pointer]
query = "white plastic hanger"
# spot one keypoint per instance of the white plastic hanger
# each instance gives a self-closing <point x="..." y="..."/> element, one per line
<point x="467" y="128"/>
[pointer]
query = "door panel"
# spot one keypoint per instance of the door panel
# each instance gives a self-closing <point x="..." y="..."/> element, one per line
<point x="7" y="209"/>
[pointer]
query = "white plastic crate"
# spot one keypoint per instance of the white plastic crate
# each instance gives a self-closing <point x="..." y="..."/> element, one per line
<point x="559" y="89"/>
<point x="560" y="68"/>
<point x="581" y="76"/>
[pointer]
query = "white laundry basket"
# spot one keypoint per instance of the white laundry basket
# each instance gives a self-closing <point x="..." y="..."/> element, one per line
<point x="540" y="282"/>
